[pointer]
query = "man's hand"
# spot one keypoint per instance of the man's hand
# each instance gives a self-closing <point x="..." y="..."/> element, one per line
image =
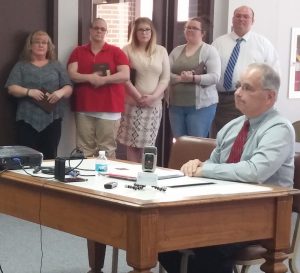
<point x="192" y="168"/>
<point x="97" y="80"/>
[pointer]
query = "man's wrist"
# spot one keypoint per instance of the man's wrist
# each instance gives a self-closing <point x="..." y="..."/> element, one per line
<point x="27" y="92"/>
<point x="198" y="172"/>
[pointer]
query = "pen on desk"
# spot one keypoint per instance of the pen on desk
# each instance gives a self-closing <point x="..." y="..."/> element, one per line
<point x="191" y="185"/>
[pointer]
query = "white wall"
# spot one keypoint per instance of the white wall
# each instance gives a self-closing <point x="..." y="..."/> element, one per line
<point x="67" y="39"/>
<point x="273" y="19"/>
<point x="221" y="19"/>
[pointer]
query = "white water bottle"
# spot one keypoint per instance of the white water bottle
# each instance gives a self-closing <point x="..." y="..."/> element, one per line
<point x="101" y="164"/>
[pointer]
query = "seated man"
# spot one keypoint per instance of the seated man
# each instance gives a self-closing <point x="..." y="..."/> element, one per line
<point x="256" y="147"/>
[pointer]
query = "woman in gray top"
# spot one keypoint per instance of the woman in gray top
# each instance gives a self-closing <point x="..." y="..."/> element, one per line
<point x="195" y="70"/>
<point x="40" y="83"/>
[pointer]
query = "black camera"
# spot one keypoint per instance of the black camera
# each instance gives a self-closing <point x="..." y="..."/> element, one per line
<point x="149" y="159"/>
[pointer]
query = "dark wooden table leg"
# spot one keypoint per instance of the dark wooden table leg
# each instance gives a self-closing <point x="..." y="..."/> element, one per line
<point x="274" y="262"/>
<point x="96" y="252"/>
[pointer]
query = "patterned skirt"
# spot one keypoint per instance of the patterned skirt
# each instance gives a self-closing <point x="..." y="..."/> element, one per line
<point x="139" y="126"/>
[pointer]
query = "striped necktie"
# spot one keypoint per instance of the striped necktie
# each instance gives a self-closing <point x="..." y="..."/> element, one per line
<point x="238" y="145"/>
<point x="231" y="64"/>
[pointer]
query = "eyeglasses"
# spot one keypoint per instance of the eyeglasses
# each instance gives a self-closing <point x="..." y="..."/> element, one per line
<point x="242" y="16"/>
<point x="142" y="30"/>
<point x="192" y="28"/>
<point x="39" y="43"/>
<point x="248" y="88"/>
<point x="102" y="29"/>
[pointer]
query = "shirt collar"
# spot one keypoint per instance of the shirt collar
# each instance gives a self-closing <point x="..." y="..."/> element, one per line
<point x="104" y="48"/>
<point x="246" y="37"/>
<point x="254" y="122"/>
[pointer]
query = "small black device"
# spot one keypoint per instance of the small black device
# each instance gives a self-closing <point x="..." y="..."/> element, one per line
<point x="74" y="179"/>
<point x="110" y="185"/>
<point x="51" y="170"/>
<point x="149" y="159"/>
<point x="60" y="169"/>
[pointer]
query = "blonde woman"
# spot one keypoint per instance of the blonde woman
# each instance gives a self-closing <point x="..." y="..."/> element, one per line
<point x="143" y="108"/>
<point x="40" y="83"/>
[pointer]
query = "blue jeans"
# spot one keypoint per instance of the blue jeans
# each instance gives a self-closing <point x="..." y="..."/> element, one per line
<point x="189" y="121"/>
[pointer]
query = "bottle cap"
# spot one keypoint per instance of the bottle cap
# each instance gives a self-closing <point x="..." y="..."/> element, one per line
<point x="101" y="152"/>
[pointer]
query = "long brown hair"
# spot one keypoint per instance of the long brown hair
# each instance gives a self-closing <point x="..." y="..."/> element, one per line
<point x="150" y="48"/>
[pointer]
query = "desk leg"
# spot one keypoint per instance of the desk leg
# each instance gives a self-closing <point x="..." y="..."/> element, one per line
<point x="96" y="252"/>
<point x="281" y="241"/>
<point x="274" y="262"/>
<point x="142" y="240"/>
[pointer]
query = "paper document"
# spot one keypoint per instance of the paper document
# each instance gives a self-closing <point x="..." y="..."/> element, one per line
<point x="130" y="172"/>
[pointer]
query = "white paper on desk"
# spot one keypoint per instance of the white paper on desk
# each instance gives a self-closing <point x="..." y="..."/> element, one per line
<point x="183" y="180"/>
<point x="217" y="187"/>
<point x="130" y="171"/>
<point x="172" y="194"/>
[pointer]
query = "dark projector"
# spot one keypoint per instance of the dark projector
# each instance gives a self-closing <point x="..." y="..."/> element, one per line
<point x="18" y="157"/>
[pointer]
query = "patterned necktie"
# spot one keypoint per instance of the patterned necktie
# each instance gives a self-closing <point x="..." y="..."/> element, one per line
<point x="238" y="145"/>
<point x="231" y="64"/>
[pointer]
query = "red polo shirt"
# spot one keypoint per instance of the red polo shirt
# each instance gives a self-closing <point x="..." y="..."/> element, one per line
<point x="107" y="98"/>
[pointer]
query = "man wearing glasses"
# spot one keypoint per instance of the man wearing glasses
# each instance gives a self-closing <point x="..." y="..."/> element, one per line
<point x="258" y="146"/>
<point x="237" y="50"/>
<point x="98" y="70"/>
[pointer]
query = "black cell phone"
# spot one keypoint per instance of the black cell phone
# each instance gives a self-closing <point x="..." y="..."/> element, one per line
<point x="149" y="159"/>
<point x="110" y="185"/>
<point x="74" y="179"/>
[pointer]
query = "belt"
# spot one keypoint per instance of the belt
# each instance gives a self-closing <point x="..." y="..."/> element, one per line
<point x="227" y="93"/>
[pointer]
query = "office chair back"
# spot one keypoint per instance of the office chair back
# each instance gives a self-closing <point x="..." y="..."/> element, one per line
<point x="296" y="126"/>
<point x="296" y="200"/>
<point x="187" y="147"/>
<point x="295" y="245"/>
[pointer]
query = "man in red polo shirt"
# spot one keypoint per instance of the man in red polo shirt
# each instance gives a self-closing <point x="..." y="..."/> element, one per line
<point x="98" y="70"/>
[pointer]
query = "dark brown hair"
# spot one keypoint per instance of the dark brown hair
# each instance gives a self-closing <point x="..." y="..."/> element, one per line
<point x="204" y="21"/>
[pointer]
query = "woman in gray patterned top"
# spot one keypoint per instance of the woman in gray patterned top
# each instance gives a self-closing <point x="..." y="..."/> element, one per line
<point x="40" y="83"/>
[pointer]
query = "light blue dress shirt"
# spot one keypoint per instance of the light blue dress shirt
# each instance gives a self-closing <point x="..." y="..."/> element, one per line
<point x="268" y="155"/>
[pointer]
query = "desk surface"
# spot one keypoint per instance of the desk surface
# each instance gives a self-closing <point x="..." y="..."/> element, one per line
<point x="149" y="221"/>
<point x="201" y="192"/>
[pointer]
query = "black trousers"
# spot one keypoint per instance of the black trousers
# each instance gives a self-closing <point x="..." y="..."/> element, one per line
<point x="212" y="259"/>
<point x="45" y="141"/>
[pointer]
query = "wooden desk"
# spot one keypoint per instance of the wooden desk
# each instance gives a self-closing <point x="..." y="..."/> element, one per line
<point x="144" y="228"/>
